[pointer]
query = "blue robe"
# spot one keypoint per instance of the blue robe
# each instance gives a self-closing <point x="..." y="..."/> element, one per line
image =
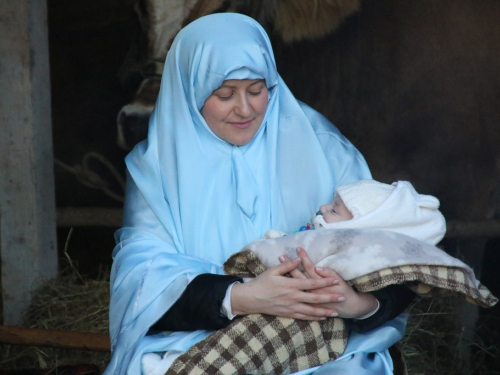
<point x="192" y="199"/>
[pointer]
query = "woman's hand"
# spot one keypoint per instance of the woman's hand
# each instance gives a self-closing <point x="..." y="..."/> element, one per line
<point x="273" y="293"/>
<point x="347" y="302"/>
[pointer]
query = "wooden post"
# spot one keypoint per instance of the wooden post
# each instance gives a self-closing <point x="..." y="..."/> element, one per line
<point x="27" y="203"/>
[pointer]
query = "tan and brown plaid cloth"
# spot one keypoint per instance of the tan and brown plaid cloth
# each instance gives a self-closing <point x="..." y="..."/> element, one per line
<point x="262" y="344"/>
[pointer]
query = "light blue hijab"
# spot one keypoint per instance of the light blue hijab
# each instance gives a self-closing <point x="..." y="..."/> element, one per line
<point x="193" y="199"/>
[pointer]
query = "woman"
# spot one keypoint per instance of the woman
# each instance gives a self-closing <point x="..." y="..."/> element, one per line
<point x="230" y="153"/>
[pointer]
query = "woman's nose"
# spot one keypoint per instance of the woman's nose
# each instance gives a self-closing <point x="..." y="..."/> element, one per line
<point x="242" y="107"/>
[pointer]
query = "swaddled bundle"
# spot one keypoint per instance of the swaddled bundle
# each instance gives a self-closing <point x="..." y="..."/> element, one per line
<point x="368" y="259"/>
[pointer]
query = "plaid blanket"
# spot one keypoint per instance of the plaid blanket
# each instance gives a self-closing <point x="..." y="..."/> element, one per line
<point x="264" y="344"/>
<point x="261" y="344"/>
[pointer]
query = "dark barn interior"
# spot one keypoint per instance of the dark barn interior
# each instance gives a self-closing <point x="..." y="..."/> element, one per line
<point x="415" y="85"/>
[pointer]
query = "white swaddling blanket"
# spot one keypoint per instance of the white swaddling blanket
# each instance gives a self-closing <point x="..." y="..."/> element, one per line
<point x="356" y="252"/>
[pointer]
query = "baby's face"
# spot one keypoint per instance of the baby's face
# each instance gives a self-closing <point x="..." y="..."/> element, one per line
<point x="335" y="211"/>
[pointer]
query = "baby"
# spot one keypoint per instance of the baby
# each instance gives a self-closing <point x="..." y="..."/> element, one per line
<point x="367" y="204"/>
<point x="371" y="204"/>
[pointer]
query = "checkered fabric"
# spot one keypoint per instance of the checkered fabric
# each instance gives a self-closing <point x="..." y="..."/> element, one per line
<point x="428" y="281"/>
<point x="262" y="344"/>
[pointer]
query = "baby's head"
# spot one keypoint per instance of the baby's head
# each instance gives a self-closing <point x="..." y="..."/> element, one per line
<point x="352" y="201"/>
<point x="335" y="211"/>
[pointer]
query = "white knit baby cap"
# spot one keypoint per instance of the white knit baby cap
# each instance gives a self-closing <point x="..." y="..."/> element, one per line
<point x="364" y="196"/>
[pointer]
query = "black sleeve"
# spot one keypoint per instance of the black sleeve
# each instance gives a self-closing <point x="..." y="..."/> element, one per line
<point x="393" y="299"/>
<point x="199" y="306"/>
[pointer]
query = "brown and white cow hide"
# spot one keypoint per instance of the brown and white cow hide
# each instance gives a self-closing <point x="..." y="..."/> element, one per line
<point x="293" y="20"/>
<point x="160" y="21"/>
<point x="296" y="20"/>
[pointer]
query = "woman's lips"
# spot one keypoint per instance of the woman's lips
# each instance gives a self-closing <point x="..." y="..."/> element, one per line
<point x="241" y="125"/>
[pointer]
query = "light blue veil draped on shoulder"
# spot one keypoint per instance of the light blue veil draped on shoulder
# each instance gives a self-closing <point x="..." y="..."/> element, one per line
<point x="193" y="199"/>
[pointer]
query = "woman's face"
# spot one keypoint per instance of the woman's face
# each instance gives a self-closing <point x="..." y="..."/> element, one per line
<point x="234" y="112"/>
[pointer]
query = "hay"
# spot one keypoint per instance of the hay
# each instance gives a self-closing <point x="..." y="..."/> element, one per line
<point x="69" y="302"/>
<point x="432" y="339"/>
<point x="72" y="302"/>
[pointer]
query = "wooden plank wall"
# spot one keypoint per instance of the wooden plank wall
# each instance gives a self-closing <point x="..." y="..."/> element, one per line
<point x="27" y="199"/>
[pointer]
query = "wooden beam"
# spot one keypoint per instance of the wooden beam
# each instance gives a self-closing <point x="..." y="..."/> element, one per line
<point x="89" y="217"/>
<point x="471" y="229"/>
<point x="55" y="338"/>
<point x="111" y="217"/>
<point x="27" y="202"/>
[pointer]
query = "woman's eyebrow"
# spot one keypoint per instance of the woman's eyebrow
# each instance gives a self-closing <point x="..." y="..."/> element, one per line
<point x="256" y="82"/>
<point x="225" y="87"/>
<point x="233" y="86"/>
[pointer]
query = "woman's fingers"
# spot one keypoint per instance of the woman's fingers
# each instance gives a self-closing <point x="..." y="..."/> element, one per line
<point x="307" y="311"/>
<point x="327" y="272"/>
<point x="307" y="263"/>
<point x="302" y="282"/>
<point x="318" y="298"/>
<point x="271" y="293"/>
<point x="296" y="273"/>
<point x="323" y="295"/>
<point x="308" y="285"/>
<point x="286" y="266"/>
